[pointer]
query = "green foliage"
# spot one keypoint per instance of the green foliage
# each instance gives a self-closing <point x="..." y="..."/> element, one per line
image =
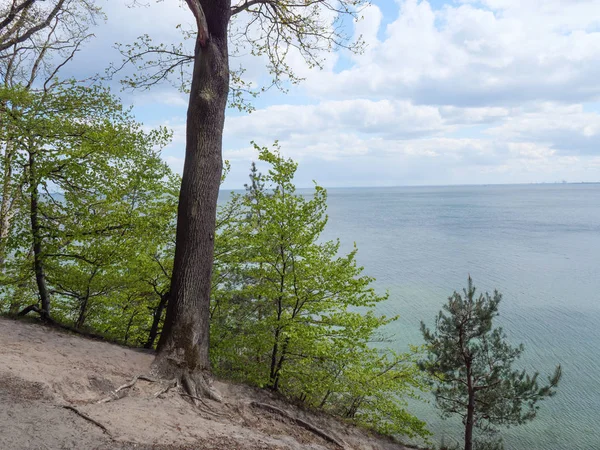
<point x="289" y="313"/>
<point x="471" y="365"/>
<point x="105" y="204"/>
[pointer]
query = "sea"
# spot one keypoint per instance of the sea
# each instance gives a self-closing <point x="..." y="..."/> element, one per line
<point x="539" y="245"/>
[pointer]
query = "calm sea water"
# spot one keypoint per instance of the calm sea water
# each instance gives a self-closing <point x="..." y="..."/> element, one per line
<point x="539" y="245"/>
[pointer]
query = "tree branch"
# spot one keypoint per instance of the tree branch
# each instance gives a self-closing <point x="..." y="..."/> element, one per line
<point x="14" y="10"/>
<point x="198" y="12"/>
<point x="247" y="4"/>
<point x="4" y="44"/>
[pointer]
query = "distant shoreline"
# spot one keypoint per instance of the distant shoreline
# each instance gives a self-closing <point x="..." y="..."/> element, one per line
<point x="416" y="186"/>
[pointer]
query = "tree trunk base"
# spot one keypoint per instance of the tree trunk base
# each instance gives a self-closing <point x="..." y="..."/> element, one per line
<point x="196" y="383"/>
<point x="43" y="314"/>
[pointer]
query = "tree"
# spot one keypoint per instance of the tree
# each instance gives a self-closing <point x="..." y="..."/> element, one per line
<point x="87" y="275"/>
<point x="115" y="280"/>
<point x="291" y="313"/>
<point x="37" y="39"/>
<point x="80" y="143"/>
<point x="472" y="365"/>
<point x="273" y="29"/>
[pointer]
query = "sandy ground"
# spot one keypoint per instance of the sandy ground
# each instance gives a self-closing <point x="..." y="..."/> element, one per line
<point x="43" y="370"/>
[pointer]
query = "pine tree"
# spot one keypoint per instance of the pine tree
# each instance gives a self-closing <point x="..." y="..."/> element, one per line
<point x="470" y="363"/>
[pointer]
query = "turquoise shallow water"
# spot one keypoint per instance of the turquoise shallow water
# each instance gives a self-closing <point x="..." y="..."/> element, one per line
<point x="539" y="245"/>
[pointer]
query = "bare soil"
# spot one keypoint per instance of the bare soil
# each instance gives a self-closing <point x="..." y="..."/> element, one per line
<point x="51" y="382"/>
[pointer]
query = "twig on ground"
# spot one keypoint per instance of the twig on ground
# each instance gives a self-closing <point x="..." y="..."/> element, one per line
<point x="88" y="418"/>
<point x="107" y="399"/>
<point x="115" y="394"/>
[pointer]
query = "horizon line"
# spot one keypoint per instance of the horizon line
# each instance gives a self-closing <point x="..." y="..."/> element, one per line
<point x="435" y="185"/>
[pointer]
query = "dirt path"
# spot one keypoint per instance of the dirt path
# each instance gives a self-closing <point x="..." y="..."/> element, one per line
<point x="50" y="383"/>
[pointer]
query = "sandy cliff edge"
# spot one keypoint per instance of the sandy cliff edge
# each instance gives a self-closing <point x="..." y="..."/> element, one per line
<point x="51" y="382"/>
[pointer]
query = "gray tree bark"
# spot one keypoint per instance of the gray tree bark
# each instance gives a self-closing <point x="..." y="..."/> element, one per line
<point x="184" y="343"/>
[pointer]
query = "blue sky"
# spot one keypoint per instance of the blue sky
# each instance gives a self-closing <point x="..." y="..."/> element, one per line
<point x="447" y="92"/>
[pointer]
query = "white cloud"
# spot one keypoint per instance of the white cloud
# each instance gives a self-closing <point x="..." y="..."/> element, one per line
<point x="534" y="143"/>
<point x="124" y="24"/>
<point x="398" y="118"/>
<point x="489" y="91"/>
<point x="504" y="54"/>
<point x="352" y="160"/>
<point x="567" y="129"/>
<point x="476" y="91"/>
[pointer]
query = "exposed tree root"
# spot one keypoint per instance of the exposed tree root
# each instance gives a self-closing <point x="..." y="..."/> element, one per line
<point x="135" y="380"/>
<point x="108" y="399"/>
<point x="197" y="384"/>
<point x="88" y="418"/>
<point x="299" y="421"/>
<point x="193" y="387"/>
<point x="205" y="407"/>
<point x="195" y="399"/>
<point x="115" y="394"/>
<point x="172" y="384"/>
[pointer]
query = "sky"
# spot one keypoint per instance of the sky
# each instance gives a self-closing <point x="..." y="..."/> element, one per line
<point x="445" y="93"/>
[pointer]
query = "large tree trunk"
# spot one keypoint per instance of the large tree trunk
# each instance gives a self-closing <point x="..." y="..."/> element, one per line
<point x="36" y="230"/>
<point x="184" y="342"/>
